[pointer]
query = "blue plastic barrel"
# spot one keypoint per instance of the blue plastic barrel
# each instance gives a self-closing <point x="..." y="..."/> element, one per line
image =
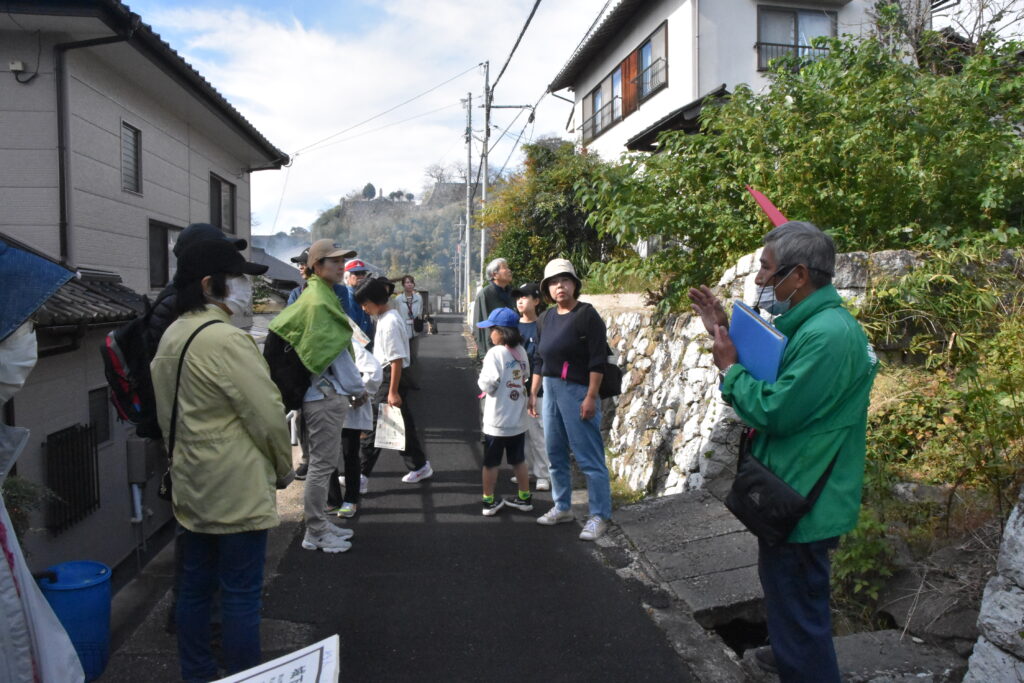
<point x="80" y="597"/>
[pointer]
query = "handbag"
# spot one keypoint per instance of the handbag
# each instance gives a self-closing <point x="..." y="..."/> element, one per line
<point x="165" y="490"/>
<point x="765" y="504"/>
<point x="417" y="323"/>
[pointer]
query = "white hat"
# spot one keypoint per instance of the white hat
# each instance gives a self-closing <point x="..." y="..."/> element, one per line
<point x="554" y="268"/>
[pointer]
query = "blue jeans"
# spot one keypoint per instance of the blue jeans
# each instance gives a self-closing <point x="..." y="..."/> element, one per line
<point x="234" y="562"/>
<point x="563" y="429"/>
<point x="795" y="579"/>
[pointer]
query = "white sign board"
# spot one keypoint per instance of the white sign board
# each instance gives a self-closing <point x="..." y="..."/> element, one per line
<point x="317" y="663"/>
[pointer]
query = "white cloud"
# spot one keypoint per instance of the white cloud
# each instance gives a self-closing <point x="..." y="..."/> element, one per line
<point x="298" y="85"/>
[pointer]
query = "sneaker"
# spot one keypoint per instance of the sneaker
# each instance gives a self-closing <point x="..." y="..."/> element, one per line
<point x="765" y="659"/>
<point x="543" y="484"/>
<point x="594" y="529"/>
<point x="364" y="484"/>
<point x="342" y="532"/>
<point x="300" y="471"/>
<point x="422" y="473"/>
<point x="520" y="504"/>
<point x="514" y="480"/>
<point x="348" y="510"/>
<point x="491" y="509"/>
<point x="329" y="543"/>
<point x="555" y="516"/>
<point x="331" y="509"/>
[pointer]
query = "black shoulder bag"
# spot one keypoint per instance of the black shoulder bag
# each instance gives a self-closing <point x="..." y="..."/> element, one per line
<point x="164" y="492"/>
<point x="765" y="504"/>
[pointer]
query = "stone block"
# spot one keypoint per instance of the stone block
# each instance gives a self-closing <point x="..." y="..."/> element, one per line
<point x="891" y="656"/>
<point x="930" y="605"/>
<point x="892" y="263"/>
<point x="851" y="270"/>
<point x="1011" y="553"/>
<point x="989" y="664"/>
<point x="716" y="599"/>
<point x="1001" y="620"/>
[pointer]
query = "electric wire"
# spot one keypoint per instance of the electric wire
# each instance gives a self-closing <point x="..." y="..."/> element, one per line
<point x="513" y="51"/>
<point x="387" y="125"/>
<point x="388" y="111"/>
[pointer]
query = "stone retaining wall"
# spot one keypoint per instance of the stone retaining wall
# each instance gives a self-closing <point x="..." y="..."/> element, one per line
<point x="669" y="431"/>
<point x="999" y="653"/>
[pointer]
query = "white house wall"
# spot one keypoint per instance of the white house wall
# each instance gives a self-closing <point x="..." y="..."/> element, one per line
<point x="111" y="226"/>
<point x="680" y="90"/>
<point x="728" y="32"/>
<point x="722" y="50"/>
<point x="28" y="147"/>
<point x="56" y="397"/>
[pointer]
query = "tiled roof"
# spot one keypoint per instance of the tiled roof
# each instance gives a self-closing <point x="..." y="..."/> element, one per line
<point x="90" y="299"/>
<point x="595" y="41"/>
<point x="685" y="118"/>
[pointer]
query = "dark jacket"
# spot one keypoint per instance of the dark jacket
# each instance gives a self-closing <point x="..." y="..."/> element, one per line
<point x="488" y="299"/>
<point x="161" y="315"/>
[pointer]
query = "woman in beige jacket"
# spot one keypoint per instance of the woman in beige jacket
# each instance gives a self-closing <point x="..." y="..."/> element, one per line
<point x="231" y="450"/>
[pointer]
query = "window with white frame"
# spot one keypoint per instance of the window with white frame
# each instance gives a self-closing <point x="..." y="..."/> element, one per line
<point x="789" y="32"/>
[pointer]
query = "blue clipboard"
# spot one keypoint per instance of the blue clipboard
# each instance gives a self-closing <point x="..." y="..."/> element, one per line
<point x="760" y="346"/>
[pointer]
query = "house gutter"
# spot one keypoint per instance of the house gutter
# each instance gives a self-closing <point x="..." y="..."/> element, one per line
<point x="60" y="51"/>
<point x="696" y="49"/>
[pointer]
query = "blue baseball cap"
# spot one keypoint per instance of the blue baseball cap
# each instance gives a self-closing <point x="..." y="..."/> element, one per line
<point x="501" y="317"/>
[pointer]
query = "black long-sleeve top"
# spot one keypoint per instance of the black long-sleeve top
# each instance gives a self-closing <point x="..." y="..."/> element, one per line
<point x="561" y="343"/>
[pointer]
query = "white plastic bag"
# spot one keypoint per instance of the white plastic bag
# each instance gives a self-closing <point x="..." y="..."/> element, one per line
<point x="390" y="428"/>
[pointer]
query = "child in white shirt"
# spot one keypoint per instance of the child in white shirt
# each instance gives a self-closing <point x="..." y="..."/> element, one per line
<point x="503" y="381"/>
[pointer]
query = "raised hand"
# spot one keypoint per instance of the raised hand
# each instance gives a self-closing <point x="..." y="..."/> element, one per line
<point x="709" y="308"/>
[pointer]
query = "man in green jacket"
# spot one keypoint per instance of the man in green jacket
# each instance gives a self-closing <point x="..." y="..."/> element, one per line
<point x="815" y="410"/>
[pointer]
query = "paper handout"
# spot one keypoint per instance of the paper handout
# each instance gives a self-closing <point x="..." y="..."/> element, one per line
<point x="390" y="428"/>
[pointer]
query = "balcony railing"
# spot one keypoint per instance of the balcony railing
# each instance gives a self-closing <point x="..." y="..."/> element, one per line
<point x="602" y="119"/>
<point x="805" y="54"/>
<point x="652" y="78"/>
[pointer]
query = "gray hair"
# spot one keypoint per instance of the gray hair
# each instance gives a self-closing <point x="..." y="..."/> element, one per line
<point x="494" y="266"/>
<point x="797" y="242"/>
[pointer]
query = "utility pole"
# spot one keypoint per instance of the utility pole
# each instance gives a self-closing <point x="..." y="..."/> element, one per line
<point x="469" y="190"/>
<point x="487" y="143"/>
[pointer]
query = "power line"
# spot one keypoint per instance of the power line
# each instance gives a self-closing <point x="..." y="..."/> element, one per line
<point x="388" y="111"/>
<point x="387" y="125"/>
<point x="509" y="58"/>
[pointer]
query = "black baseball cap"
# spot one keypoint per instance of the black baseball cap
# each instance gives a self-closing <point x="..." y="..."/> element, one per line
<point x="302" y="258"/>
<point x="204" y="232"/>
<point x="211" y="257"/>
<point x="526" y="289"/>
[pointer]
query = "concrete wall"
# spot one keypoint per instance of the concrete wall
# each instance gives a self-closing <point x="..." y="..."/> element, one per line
<point x="55" y="397"/>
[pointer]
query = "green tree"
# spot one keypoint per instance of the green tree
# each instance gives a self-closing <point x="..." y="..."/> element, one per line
<point x="369" y="191"/>
<point x="536" y="214"/>
<point x="877" y="151"/>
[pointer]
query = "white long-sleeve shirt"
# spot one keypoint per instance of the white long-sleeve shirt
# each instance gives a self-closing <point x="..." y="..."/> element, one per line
<point x="503" y="380"/>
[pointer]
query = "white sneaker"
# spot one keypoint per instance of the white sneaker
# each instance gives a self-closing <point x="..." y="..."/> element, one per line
<point x="422" y="473"/>
<point x="348" y="510"/>
<point x="364" y="483"/>
<point x="329" y="543"/>
<point x="594" y="529"/>
<point x="543" y="484"/>
<point x="555" y="516"/>
<point x="342" y="532"/>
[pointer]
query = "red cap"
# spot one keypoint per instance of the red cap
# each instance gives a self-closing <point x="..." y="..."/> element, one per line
<point x="355" y="264"/>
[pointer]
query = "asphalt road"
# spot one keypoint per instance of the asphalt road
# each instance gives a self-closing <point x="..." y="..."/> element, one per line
<point x="434" y="591"/>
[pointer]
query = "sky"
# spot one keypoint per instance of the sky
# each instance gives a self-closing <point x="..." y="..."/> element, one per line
<point x="308" y="73"/>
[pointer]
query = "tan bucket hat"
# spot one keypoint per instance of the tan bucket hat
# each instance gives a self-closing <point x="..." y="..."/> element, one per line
<point x="554" y="268"/>
<point x="327" y="248"/>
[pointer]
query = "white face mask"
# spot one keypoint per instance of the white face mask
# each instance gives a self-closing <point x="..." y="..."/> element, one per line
<point x="17" y="358"/>
<point x="239" y="296"/>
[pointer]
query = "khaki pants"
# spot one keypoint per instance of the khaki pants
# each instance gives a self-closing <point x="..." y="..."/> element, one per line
<point x="324" y="419"/>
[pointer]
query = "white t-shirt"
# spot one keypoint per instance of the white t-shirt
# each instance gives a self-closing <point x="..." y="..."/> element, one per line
<point x="391" y="341"/>
<point x="503" y="380"/>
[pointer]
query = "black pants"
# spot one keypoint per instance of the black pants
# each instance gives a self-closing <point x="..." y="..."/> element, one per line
<point x="350" y="454"/>
<point x="414" y="456"/>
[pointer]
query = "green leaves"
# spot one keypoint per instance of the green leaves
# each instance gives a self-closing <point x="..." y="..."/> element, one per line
<point x="880" y="153"/>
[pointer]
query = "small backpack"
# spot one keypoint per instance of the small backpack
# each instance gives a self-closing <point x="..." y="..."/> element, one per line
<point x="286" y="370"/>
<point x="126" y="356"/>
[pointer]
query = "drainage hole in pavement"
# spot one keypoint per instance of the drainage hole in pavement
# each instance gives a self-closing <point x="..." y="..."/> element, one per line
<point x="742" y="635"/>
